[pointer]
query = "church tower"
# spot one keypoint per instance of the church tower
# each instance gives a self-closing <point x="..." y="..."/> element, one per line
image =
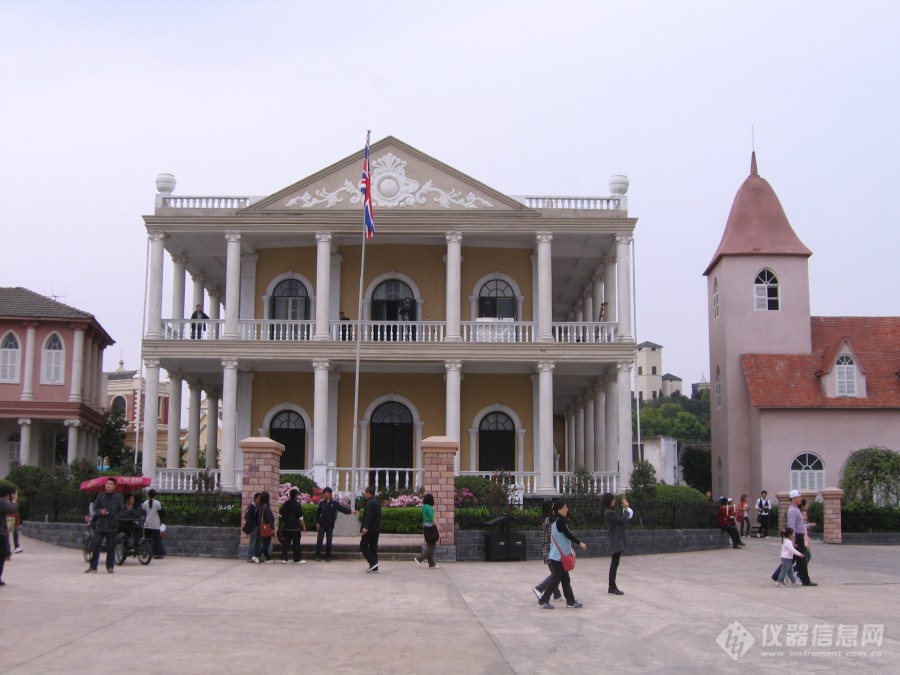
<point x="758" y="303"/>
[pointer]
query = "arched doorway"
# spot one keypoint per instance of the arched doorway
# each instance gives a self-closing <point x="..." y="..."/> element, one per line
<point x="391" y="445"/>
<point x="288" y="428"/>
<point x="393" y="300"/>
<point x="496" y="443"/>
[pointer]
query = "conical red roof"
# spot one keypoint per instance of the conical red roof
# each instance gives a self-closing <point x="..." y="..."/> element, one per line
<point x="757" y="224"/>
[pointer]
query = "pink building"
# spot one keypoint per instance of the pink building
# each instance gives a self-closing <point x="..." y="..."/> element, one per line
<point x="792" y="395"/>
<point x="51" y="380"/>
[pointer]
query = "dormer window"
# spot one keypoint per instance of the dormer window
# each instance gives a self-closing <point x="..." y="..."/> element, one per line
<point x="845" y="374"/>
<point x="766" y="292"/>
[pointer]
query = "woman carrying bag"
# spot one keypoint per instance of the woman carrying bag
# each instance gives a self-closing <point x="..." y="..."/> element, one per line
<point x="266" y="521"/>
<point x="561" y="558"/>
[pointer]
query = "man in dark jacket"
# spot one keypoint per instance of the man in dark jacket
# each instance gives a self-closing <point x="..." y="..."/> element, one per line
<point x="326" y="516"/>
<point x="108" y="507"/>
<point x="251" y="527"/>
<point x="371" y="527"/>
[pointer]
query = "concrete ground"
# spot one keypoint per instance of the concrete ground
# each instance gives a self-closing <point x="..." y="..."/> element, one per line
<point x="190" y="615"/>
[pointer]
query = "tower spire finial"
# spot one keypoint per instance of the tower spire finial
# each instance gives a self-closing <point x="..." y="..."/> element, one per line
<point x="753" y="171"/>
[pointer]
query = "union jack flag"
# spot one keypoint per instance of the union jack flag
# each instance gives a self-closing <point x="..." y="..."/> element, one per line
<point x="365" y="186"/>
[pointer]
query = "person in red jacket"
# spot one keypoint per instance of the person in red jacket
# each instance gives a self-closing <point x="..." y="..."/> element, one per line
<point x="726" y="521"/>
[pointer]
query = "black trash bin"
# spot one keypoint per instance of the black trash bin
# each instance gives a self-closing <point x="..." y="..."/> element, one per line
<point x="501" y="543"/>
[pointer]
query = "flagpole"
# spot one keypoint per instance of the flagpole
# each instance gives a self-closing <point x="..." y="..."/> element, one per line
<point x="355" y="487"/>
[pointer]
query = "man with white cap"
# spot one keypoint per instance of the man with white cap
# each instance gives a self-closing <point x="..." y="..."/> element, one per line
<point x="796" y="522"/>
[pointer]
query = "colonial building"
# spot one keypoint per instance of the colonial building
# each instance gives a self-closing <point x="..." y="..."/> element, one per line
<point x="51" y="380"/>
<point x="502" y="322"/>
<point x="792" y="394"/>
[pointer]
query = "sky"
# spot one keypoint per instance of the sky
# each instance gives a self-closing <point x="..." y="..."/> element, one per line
<point x="530" y="97"/>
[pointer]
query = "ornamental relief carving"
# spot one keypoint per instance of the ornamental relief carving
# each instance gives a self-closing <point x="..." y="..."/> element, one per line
<point x="391" y="187"/>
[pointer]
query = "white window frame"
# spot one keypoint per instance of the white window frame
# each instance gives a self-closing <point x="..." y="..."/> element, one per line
<point x="715" y="298"/>
<point x="53" y="361"/>
<point x="807" y="472"/>
<point x="10" y="360"/>
<point x="718" y="389"/>
<point x="765" y="280"/>
<point x="845" y="375"/>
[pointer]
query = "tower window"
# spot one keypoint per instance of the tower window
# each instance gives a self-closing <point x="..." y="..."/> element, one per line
<point x="765" y="291"/>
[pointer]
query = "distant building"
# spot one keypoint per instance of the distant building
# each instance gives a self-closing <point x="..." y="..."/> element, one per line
<point x="51" y="380"/>
<point x="125" y="391"/>
<point x="793" y="395"/>
<point x="671" y="385"/>
<point x="662" y="453"/>
<point x="697" y="388"/>
<point x="651" y="383"/>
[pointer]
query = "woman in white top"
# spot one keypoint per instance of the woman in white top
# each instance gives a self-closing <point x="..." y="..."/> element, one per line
<point x="153" y="514"/>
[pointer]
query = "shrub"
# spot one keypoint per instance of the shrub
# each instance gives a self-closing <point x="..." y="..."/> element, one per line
<point x="642" y="486"/>
<point x="678" y="494"/>
<point x="299" y="481"/>
<point x="401" y="520"/>
<point x="872" y="475"/>
<point x="31" y="480"/>
<point x="486" y="492"/>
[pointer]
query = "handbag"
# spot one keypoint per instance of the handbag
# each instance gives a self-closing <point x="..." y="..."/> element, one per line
<point x="432" y="535"/>
<point x="568" y="561"/>
<point x="265" y="530"/>
<point x="279" y="535"/>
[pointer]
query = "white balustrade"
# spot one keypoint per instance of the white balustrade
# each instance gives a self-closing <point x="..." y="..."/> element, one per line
<point x="184" y="480"/>
<point x="276" y="330"/>
<point x="584" y="331"/>
<point x="498" y="331"/>
<point x="581" y="203"/>
<point x="192" y="329"/>
<point x="186" y="202"/>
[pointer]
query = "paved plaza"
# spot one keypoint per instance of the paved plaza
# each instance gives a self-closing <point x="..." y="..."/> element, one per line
<point x="190" y="615"/>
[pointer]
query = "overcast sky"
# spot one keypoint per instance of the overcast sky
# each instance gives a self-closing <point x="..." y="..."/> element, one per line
<point x="552" y="98"/>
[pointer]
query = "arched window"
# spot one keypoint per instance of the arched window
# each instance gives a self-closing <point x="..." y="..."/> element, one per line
<point x="52" y="371"/>
<point x="715" y="298"/>
<point x="290" y="301"/>
<point x="496" y="300"/>
<point x="119" y="404"/>
<point x="718" y="389"/>
<point x="496" y="443"/>
<point x="393" y="300"/>
<point x="288" y="428"/>
<point x="845" y="372"/>
<point x="10" y="356"/>
<point x="766" y="292"/>
<point x="807" y="472"/>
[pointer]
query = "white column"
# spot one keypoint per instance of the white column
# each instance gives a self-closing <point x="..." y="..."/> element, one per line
<point x="212" y="428"/>
<point x="72" y="449"/>
<point x="579" y="311"/>
<point x="197" y="282"/>
<point x="151" y="407"/>
<point x="570" y="438"/>
<point x="229" y="421"/>
<point x="215" y="304"/>
<point x="193" y="449"/>
<point x="623" y="390"/>
<point x="173" y="437"/>
<point x="77" y="366"/>
<point x="154" y="286"/>
<point x="334" y="302"/>
<point x="334" y="384"/>
<point x="248" y="287"/>
<point x="419" y="426"/>
<point x="320" y="420"/>
<point x="545" y="383"/>
<point x="599" y="426"/>
<point x="179" y="267"/>
<point x="579" y="433"/>
<point x="612" y="425"/>
<point x="242" y="428"/>
<point x="587" y="303"/>
<point x="232" y="289"/>
<point x="473" y="448"/>
<point x="545" y="289"/>
<point x="589" y="432"/>
<point x="454" y="275"/>
<point x="623" y="274"/>
<point x="597" y="281"/>
<point x="323" y="283"/>
<point x="89" y="366"/>
<point x="454" y="377"/>
<point x="609" y="289"/>
<point x="28" y="370"/>
<point x="25" y="441"/>
<point x="536" y="422"/>
<point x="520" y="449"/>
<point x="363" y="447"/>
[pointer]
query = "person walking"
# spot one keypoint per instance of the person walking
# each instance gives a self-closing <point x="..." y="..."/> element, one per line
<point x="326" y="517"/>
<point x="788" y="555"/>
<point x="265" y="520"/>
<point x="291" y="523"/>
<point x="546" y="525"/>
<point x="798" y="525"/>
<point x="153" y="518"/>
<point x="9" y="506"/>
<point x="763" y="505"/>
<point x="108" y="508"/>
<point x="615" y="524"/>
<point x="561" y="546"/>
<point x="743" y="515"/>
<point x="430" y="530"/>
<point x="371" y="528"/>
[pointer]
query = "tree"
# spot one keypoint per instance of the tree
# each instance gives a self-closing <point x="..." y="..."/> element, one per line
<point x="642" y="485"/>
<point x="872" y="475"/>
<point x="684" y="418"/>
<point x="696" y="466"/>
<point x="111" y="444"/>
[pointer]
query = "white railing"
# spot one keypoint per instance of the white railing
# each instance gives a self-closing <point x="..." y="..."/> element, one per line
<point x="276" y="330"/>
<point x="185" y="202"/>
<point x="192" y="329"/>
<point x="354" y="481"/>
<point x="584" y="331"/>
<point x="528" y="482"/>
<point x="585" y="203"/>
<point x="498" y="331"/>
<point x="183" y="480"/>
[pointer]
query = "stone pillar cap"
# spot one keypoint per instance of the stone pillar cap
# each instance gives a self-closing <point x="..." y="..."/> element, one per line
<point x="832" y="492"/>
<point x="261" y="443"/>
<point x="439" y="443"/>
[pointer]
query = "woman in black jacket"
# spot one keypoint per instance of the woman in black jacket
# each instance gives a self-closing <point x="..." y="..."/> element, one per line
<point x="264" y="516"/>
<point x="291" y="523"/>
<point x="615" y="523"/>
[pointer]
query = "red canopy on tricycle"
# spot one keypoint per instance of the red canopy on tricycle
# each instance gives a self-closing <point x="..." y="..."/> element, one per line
<point x="123" y="483"/>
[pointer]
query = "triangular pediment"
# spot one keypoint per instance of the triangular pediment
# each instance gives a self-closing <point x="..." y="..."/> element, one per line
<point x="402" y="178"/>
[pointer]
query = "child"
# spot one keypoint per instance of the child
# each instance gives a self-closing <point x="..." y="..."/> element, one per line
<point x="787" y="557"/>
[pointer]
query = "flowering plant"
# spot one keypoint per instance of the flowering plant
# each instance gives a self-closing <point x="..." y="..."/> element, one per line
<point x="464" y="498"/>
<point x="406" y="500"/>
<point x="314" y="497"/>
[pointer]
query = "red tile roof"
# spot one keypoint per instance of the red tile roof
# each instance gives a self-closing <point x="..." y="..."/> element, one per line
<point x="792" y="380"/>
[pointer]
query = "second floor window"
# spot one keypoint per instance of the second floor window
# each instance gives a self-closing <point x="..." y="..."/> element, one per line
<point x="9" y="359"/>
<point x="290" y="301"/>
<point x="845" y="372"/>
<point x="52" y="371"/>
<point x="765" y="292"/>
<point x="496" y="300"/>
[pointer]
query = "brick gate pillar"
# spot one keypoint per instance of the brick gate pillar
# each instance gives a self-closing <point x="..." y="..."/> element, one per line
<point x="831" y="528"/>
<point x="438" y="455"/>
<point x="262" y="467"/>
